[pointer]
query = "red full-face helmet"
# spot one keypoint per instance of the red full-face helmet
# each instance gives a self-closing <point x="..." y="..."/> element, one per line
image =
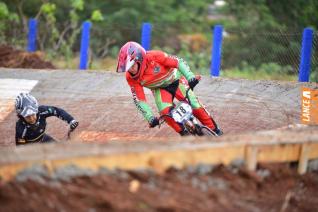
<point x="129" y="54"/>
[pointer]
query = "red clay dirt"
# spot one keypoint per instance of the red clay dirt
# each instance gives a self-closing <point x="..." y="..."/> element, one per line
<point x="13" y="58"/>
<point x="219" y="189"/>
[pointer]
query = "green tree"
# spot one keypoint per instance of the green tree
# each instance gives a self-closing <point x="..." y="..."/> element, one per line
<point x="123" y="21"/>
<point x="7" y="20"/>
<point x="295" y="14"/>
<point x="267" y="31"/>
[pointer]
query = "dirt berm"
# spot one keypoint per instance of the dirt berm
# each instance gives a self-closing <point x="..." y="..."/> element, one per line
<point x="14" y="58"/>
<point x="103" y="105"/>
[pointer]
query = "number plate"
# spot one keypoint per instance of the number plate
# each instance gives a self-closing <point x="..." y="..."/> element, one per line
<point x="181" y="112"/>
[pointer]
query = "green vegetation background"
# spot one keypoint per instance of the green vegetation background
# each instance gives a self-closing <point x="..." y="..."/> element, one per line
<point x="262" y="40"/>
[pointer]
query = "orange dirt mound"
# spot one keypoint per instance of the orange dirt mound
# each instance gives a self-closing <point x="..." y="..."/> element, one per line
<point x="13" y="58"/>
<point x="201" y="188"/>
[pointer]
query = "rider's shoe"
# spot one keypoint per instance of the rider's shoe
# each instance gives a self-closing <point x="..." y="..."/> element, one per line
<point x="218" y="132"/>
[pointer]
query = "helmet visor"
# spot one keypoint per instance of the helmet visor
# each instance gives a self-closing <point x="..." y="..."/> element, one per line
<point x="28" y="111"/>
<point x="125" y="65"/>
<point x="121" y="66"/>
<point x="129" y="63"/>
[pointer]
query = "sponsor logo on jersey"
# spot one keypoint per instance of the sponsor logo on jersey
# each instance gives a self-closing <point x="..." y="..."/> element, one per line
<point x="136" y="101"/>
<point x="142" y="82"/>
<point x="156" y="70"/>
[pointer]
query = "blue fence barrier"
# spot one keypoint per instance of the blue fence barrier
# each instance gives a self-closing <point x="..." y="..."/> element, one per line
<point x="84" y="45"/>
<point x="216" y="51"/>
<point x="146" y="36"/>
<point x="305" y="58"/>
<point x="32" y="35"/>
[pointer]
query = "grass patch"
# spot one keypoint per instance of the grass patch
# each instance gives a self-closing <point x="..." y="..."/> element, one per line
<point x="269" y="71"/>
<point x="266" y="71"/>
<point x="258" y="75"/>
<point x="106" y="64"/>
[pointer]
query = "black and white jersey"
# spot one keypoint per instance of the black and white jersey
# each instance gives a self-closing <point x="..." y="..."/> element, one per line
<point x="29" y="133"/>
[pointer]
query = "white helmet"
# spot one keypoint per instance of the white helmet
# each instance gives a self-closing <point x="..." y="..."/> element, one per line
<point x="26" y="105"/>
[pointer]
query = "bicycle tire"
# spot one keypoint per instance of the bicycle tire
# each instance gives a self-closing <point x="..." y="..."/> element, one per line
<point x="205" y="131"/>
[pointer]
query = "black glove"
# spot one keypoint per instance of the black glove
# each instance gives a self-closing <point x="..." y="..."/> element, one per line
<point x="153" y="122"/>
<point x="73" y="124"/>
<point x="193" y="82"/>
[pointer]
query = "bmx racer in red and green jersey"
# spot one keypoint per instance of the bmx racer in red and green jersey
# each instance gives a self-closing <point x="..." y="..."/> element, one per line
<point x="168" y="77"/>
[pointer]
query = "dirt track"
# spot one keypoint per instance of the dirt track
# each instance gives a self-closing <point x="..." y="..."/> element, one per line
<point x="103" y="105"/>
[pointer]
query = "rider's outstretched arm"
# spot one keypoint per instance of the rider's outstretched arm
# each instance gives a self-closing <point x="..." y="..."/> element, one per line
<point x="48" y="111"/>
<point x="140" y="100"/>
<point x="187" y="73"/>
<point x="184" y="68"/>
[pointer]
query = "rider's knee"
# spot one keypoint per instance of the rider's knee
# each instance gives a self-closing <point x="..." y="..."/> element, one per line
<point x="169" y="120"/>
<point x="166" y="110"/>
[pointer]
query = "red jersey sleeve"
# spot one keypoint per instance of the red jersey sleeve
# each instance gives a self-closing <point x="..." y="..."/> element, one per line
<point x="139" y="98"/>
<point x="136" y="89"/>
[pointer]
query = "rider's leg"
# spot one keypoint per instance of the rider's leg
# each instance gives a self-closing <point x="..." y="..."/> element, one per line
<point x="47" y="139"/>
<point x="164" y="104"/>
<point x="198" y="109"/>
<point x="205" y="118"/>
<point x="174" y="125"/>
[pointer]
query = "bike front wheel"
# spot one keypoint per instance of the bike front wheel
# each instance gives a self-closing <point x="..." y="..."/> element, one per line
<point x="205" y="131"/>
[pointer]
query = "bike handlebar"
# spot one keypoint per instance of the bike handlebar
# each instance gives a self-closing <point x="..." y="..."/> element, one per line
<point x="69" y="132"/>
